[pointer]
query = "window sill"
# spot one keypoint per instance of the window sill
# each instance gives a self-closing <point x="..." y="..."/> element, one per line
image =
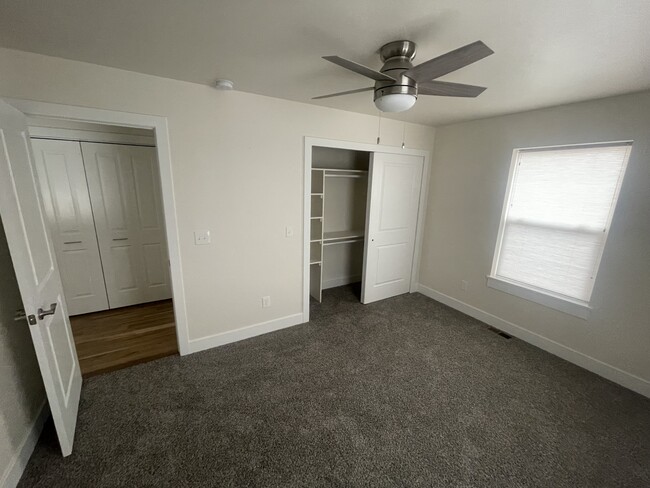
<point x="568" y="306"/>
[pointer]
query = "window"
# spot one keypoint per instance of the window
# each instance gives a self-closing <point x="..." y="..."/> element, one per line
<point x="555" y="221"/>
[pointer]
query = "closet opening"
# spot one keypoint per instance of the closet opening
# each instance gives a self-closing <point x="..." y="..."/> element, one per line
<point x="101" y="191"/>
<point x="339" y="189"/>
<point x="362" y="220"/>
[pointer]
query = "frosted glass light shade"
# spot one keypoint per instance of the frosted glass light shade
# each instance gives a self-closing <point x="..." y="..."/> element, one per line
<point x="395" y="102"/>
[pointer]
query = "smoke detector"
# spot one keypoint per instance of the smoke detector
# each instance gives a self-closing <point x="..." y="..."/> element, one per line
<point x="224" y="85"/>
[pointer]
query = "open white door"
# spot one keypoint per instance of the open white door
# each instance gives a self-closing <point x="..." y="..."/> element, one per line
<point x="395" y="181"/>
<point x="37" y="273"/>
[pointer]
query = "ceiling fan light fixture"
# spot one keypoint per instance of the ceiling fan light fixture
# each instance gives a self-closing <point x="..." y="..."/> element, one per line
<point x="395" y="102"/>
<point x="398" y="83"/>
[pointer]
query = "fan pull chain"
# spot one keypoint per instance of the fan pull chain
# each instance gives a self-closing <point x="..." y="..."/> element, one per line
<point x="403" y="135"/>
<point x="379" y="129"/>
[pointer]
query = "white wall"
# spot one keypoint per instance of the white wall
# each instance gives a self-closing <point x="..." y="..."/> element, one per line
<point x="237" y="170"/>
<point x="21" y="389"/>
<point x="468" y="181"/>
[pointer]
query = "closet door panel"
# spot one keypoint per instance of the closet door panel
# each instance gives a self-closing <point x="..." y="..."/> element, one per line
<point x="62" y="179"/>
<point x="393" y="206"/>
<point x="155" y="263"/>
<point x="153" y="243"/>
<point x="113" y="194"/>
<point x="79" y="282"/>
<point x="149" y="202"/>
<point x="146" y="186"/>
<point x="124" y="272"/>
<point x="391" y="259"/>
<point x="126" y="196"/>
<point x="62" y="198"/>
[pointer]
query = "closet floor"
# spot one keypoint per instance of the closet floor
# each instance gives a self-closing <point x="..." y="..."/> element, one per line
<point x="115" y="339"/>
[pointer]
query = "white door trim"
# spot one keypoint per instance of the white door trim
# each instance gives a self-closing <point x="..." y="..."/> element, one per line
<point x="310" y="142"/>
<point x="159" y="125"/>
<point x="81" y="135"/>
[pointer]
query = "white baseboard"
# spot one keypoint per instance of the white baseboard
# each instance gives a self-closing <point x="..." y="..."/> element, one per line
<point x="612" y="373"/>
<point x="16" y="467"/>
<point x="216" y="340"/>
<point x="346" y="280"/>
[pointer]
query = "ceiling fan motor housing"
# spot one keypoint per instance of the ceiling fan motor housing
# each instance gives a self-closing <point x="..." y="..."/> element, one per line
<point x="397" y="57"/>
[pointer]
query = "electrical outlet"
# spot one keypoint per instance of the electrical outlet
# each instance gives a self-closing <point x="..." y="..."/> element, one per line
<point x="201" y="237"/>
<point x="463" y="285"/>
<point x="288" y="232"/>
<point x="266" y="302"/>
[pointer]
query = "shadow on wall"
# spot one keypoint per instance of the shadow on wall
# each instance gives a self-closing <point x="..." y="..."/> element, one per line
<point x="20" y="379"/>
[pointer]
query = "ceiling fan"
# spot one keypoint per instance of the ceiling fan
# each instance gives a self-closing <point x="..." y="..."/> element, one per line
<point x="398" y="83"/>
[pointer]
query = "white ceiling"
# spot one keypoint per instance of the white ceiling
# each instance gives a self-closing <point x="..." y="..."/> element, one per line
<point x="547" y="52"/>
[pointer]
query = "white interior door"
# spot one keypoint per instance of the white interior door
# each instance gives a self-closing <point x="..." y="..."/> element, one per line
<point x="395" y="182"/>
<point x="37" y="273"/>
<point x="67" y="205"/>
<point x="126" y="197"/>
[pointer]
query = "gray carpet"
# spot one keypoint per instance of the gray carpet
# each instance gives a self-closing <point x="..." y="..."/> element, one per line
<point x="406" y="392"/>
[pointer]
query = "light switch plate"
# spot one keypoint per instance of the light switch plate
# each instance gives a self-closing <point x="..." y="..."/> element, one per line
<point x="201" y="237"/>
<point x="289" y="232"/>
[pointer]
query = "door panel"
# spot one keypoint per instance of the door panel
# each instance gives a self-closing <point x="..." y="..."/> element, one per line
<point x="391" y="224"/>
<point x="33" y="256"/>
<point x="52" y="168"/>
<point x="148" y="200"/>
<point x="124" y="269"/>
<point x="67" y="206"/>
<point x="124" y="184"/>
<point x="391" y="260"/>
<point x="79" y="285"/>
<point x="62" y="350"/>
<point x="154" y="260"/>
<point x="397" y="182"/>
<point x="111" y="187"/>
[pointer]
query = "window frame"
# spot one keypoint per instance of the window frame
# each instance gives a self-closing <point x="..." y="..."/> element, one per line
<point x="557" y="301"/>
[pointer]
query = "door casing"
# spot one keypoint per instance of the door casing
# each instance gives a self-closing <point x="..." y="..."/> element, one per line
<point x="161" y="131"/>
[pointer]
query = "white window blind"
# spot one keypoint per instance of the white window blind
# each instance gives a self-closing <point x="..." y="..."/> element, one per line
<point x="557" y="217"/>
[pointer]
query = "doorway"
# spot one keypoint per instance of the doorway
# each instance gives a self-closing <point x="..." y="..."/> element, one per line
<point x="34" y="258"/>
<point x="100" y="187"/>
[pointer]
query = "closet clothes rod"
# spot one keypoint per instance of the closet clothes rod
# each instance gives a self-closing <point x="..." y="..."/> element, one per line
<point x="345" y="176"/>
<point x="347" y="241"/>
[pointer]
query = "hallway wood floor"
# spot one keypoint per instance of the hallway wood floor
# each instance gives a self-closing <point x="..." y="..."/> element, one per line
<point x="115" y="339"/>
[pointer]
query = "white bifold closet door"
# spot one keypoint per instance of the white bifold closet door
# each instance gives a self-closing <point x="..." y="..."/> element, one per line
<point x="62" y="180"/>
<point x="124" y="184"/>
<point x="395" y="182"/>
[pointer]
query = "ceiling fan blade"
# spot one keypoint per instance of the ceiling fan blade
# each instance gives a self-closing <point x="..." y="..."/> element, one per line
<point x="453" y="60"/>
<point x="358" y="68"/>
<point x="446" y="89"/>
<point x="358" y="90"/>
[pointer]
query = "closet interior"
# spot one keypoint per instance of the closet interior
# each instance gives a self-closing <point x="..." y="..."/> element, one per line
<point x="339" y="188"/>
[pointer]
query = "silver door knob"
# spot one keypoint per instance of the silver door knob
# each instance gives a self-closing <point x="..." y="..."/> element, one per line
<point x="42" y="313"/>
